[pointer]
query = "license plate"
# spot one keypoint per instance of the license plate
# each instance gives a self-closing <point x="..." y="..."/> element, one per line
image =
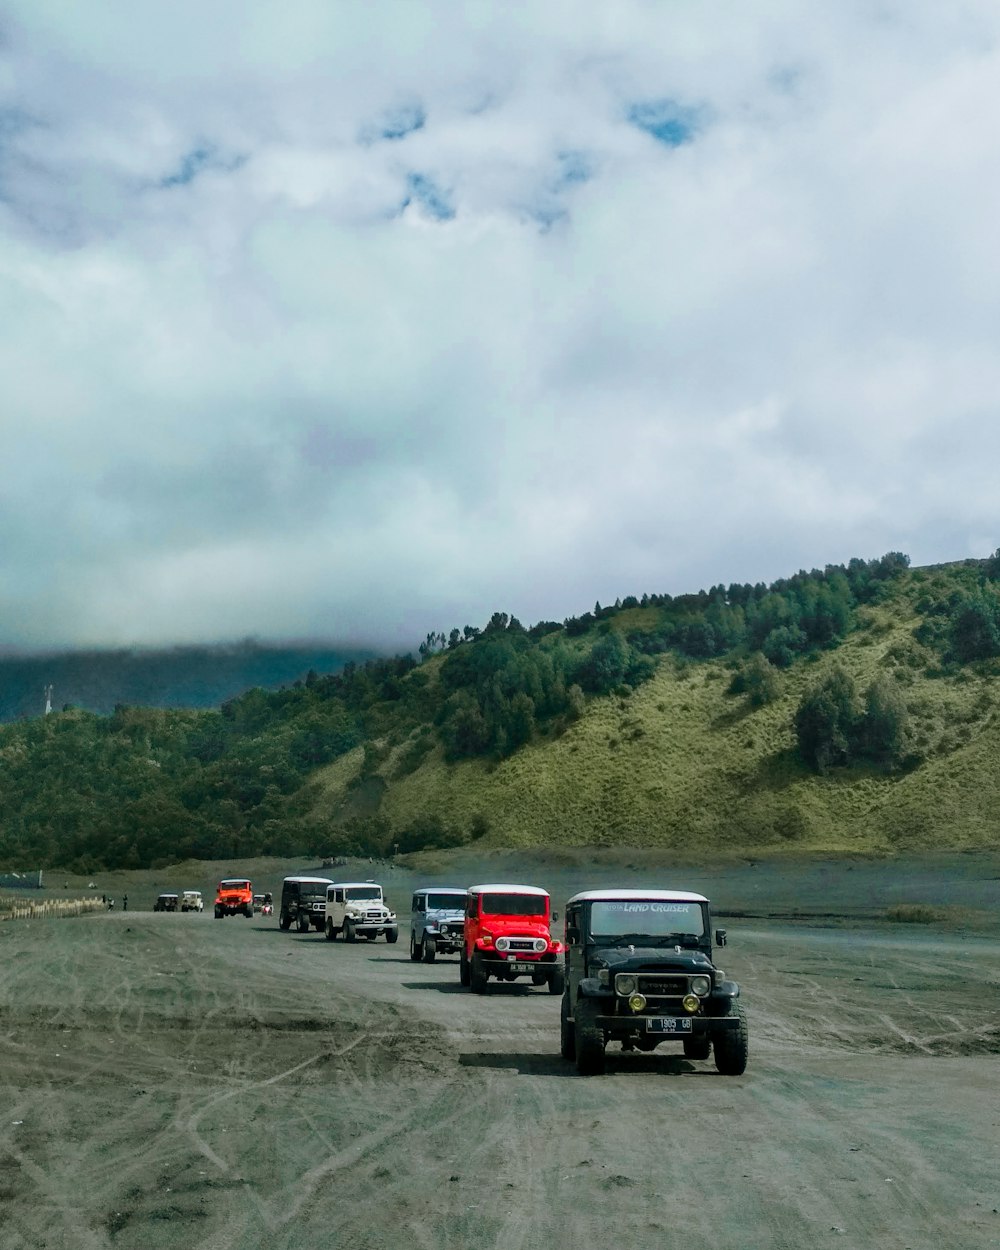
<point x="668" y="1024"/>
<point x="521" y="967"/>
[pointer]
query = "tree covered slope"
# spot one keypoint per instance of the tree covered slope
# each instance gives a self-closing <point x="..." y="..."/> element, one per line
<point x="848" y="708"/>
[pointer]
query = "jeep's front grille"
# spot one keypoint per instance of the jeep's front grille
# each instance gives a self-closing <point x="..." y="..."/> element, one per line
<point x="661" y="987"/>
<point x="372" y="917"/>
<point x="522" y="944"/>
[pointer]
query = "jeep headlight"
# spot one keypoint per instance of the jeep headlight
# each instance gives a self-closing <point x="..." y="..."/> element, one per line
<point x="691" y="1003"/>
<point x="625" y="984"/>
<point x="502" y="943"/>
<point x="701" y="986"/>
<point x="540" y="945"/>
<point x="603" y="976"/>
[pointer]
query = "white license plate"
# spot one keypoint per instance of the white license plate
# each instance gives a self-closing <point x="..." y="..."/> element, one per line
<point x="668" y="1024"/>
<point x="523" y="967"/>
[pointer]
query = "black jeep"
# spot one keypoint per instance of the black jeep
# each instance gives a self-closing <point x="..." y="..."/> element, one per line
<point x="639" y="971"/>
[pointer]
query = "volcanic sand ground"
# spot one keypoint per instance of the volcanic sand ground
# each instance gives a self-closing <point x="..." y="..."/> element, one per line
<point x="173" y="1080"/>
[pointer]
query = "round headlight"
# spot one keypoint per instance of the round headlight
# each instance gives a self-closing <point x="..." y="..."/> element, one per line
<point x="502" y="943"/>
<point x="690" y="1003"/>
<point x="540" y="944"/>
<point x="625" y="984"/>
<point x="637" y="1001"/>
<point x="701" y="986"/>
<point x="442" y="929"/>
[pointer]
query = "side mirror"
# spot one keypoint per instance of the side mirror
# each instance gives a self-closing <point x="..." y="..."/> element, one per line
<point x="555" y="916"/>
<point x="573" y="935"/>
<point x="720" y="937"/>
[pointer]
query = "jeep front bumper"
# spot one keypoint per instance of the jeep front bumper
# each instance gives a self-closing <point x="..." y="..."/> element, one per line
<point x="517" y="964"/>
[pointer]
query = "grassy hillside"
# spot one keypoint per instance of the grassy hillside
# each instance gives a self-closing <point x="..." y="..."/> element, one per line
<point x="667" y="723"/>
<point x="680" y="763"/>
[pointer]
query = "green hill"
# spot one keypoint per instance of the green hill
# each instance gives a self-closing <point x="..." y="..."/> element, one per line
<point x="680" y="762"/>
<point x="659" y="722"/>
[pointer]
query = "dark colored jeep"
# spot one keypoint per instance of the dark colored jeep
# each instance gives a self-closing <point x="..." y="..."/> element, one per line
<point x="639" y="971"/>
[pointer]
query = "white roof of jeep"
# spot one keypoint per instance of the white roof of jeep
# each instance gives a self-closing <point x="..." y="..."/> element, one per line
<point x="440" y="889"/>
<point x="349" y="885"/>
<point x="507" y="889"/>
<point x="313" y="880"/>
<point x="646" y="896"/>
<point x="192" y="893"/>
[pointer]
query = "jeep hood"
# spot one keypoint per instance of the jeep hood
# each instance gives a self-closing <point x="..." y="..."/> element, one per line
<point x="661" y="958"/>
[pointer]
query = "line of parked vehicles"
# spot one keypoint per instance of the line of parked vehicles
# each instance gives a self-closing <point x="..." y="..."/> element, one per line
<point x="634" y="966"/>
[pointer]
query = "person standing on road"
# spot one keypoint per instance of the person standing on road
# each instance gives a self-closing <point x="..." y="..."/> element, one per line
<point x="124" y="902"/>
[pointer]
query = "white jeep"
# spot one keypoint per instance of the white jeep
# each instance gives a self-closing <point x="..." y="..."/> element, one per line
<point x="191" y="900"/>
<point x="357" y="909"/>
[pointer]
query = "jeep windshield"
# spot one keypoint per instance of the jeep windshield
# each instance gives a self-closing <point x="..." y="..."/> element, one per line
<point x="363" y="892"/>
<point x="639" y="918"/>
<point x="445" y="902"/>
<point x="513" y="904"/>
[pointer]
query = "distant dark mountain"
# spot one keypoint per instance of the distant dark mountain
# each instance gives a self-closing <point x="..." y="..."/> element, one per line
<point x="179" y="677"/>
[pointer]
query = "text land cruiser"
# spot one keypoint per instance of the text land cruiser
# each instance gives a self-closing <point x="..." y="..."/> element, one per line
<point x="507" y="936"/>
<point x="437" y="922"/>
<point x="639" y="971"/>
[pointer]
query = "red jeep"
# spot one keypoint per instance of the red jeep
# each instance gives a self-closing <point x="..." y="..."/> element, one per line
<point x="507" y="936"/>
<point x="234" y="897"/>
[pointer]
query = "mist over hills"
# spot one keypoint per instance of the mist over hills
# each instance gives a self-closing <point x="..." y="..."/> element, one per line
<point x="176" y="677"/>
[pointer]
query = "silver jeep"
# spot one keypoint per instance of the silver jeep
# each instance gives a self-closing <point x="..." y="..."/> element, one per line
<point x="437" y="919"/>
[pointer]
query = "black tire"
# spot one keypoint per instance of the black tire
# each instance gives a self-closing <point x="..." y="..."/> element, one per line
<point x="732" y="1048"/>
<point x="284" y="921"/>
<point x="539" y="978"/>
<point x="699" y="1047"/>
<point x="430" y="949"/>
<point x="464" y="974"/>
<point x="567" y="1031"/>
<point x="415" y="951"/>
<point x="248" y="912"/>
<point x="478" y="977"/>
<point x="328" y="932"/>
<point x="590" y="1058"/>
<point x="557" y="981"/>
<point x="392" y="936"/>
<point x="219" y="913"/>
<point x="302" y="923"/>
<point x="349" y="933"/>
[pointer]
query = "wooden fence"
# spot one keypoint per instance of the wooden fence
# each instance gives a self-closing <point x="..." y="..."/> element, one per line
<point x="15" y="907"/>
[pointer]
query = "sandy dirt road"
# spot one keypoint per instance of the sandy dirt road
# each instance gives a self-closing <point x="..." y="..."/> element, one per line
<point x="173" y="1080"/>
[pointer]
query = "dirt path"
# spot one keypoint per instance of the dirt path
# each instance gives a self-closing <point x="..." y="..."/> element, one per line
<point x="172" y="1080"/>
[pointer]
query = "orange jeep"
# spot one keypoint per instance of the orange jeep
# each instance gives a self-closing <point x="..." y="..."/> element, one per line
<point x="234" y="897"/>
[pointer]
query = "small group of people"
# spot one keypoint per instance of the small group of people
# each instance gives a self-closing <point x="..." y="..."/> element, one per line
<point x="110" y="902"/>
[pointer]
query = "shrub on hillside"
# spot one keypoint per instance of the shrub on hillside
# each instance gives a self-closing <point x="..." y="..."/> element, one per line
<point x="826" y="721"/>
<point x="834" y="727"/>
<point x="975" y="629"/>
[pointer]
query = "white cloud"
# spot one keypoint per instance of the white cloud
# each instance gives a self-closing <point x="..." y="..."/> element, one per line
<point x="366" y="320"/>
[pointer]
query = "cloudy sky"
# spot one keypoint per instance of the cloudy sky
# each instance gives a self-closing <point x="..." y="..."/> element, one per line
<point x="353" y="319"/>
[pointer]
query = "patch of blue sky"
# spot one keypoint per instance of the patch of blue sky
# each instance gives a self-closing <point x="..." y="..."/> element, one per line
<point x="430" y="197"/>
<point x="667" y="121"/>
<point x="573" y="168"/>
<point x="198" y="161"/>
<point x="396" y="124"/>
